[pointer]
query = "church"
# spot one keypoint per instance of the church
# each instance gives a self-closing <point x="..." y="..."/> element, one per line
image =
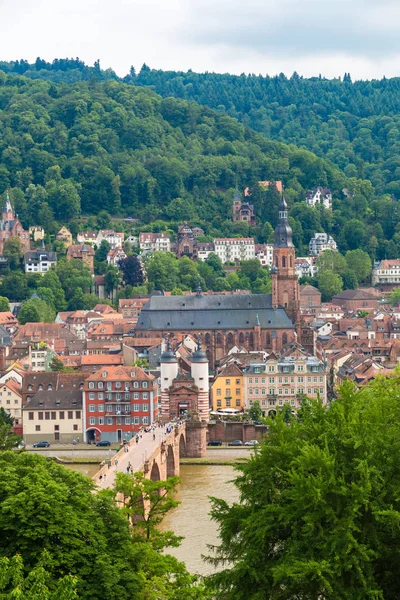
<point x="10" y="226"/>
<point x="252" y="321"/>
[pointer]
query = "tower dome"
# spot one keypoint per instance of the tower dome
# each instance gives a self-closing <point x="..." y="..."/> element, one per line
<point x="199" y="356"/>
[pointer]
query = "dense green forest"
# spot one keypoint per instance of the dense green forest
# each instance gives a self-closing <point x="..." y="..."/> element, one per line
<point x="72" y="149"/>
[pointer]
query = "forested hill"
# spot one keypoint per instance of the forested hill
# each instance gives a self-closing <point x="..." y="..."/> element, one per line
<point x="71" y="149"/>
<point x="355" y="125"/>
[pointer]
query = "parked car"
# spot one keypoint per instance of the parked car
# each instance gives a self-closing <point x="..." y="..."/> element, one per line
<point x="215" y="443"/>
<point x="41" y="445"/>
<point x="251" y="443"/>
<point x="236" y="443"/>
<point x="103" y="443"/>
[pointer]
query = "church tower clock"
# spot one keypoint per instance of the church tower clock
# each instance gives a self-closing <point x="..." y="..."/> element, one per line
<point x="285" y="284"/>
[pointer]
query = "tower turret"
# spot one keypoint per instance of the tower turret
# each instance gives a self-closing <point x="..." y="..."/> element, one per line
<point x="169" y="372"/>
<point x="199" y="372"/>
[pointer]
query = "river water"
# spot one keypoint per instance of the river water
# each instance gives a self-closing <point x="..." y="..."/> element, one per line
<point x="191" y="518"/>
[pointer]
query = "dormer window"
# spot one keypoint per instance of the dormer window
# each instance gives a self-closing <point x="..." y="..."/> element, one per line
<point x="40" y="387"/>
<point x="91" y="384"/>
<point x="101" y="385"/>
<point x="30" y="388"/>
<point x="49" y="387"/>
<point x="104" y="374"/>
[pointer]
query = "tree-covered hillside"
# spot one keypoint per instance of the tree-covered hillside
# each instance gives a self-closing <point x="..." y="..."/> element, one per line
<point x="355" y="125"/>
<point x="72" y="149"/>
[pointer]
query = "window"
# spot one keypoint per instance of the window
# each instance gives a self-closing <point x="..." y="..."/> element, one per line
<point x="135" y="384"/>
<point x="136" y="407"/>
<point x="126" y="396"/>
<point x="237" y="392"/>
<point x="91" y="384"/>
<point x="218" y="392"/>
<point x="145" y="408"/>
<point x="237" y="381"/>
<point x="119" y="420"/>
<point x="145" y="420"/>
<point x="100" y="408"/>
<point x="101" y="385"/>
<point x="227" y="382"/>
<point x="31" y="416"/>
<point x="263" y="391"/>
<point x="53" y="416"/>
<point x="70" y="414"/>
<point x="91" y="396"/>
<point x="100" y="396"/>
<point x="118" y="396"/>
<point x="228" y="391"/>
<point x="37" y="427"/>
<point x="228" y="401"/>
<point x="109" y="421"/>
<point x="250" y="380"/>
<point x="56" y="428"/>
<point x="47" y="416"/>
<point x="77" y="414"/>
<point x="144" y="384"/>
<point x="92" y="420"/>
<point x="61" y="414"/>
<point x="101" y="420"/>
<point x="118" y="384"/>
<point x="40" y="416"/>
<point x="219" y="403"/>
<point x="92" y="408"/>
<point x="136" y="395"/>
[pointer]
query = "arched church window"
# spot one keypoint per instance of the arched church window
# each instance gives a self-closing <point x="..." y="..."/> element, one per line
<point x="283" y="261"/>
<point x="219" y="339"/>
<point x="208" y="339"/>
<point x="284" y="339"/>
<point x="251" y="341"/>
<point x="268" y="340"/>
<point x="241" y="338"/>
<point x="291" y="261"/>
<point x="230" y="340"/>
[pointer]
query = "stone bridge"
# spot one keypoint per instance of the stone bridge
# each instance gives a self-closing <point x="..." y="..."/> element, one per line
<point x="157" y="453"/>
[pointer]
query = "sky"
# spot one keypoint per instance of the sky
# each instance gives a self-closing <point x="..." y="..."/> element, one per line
<point x="312" y="37"/>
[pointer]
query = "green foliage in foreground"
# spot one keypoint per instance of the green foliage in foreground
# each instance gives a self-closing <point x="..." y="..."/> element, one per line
<point x="44" y="506"/>
<point x="319" y="510"/>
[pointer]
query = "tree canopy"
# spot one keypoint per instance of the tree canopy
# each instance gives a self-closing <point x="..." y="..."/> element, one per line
<point x="319" y="510"/>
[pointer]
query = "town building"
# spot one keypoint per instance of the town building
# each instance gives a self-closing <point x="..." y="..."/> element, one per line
<point x="11" y="398"/>
<point x="252" y="321"/>
<point x="305" y="266"/>
<point x="354" y="300"/>
<point x="87" y="237"/>
<point x="131" y="307"/>
<point x="386" y="273"/>
<point x="10" y="226"/>
<point x="264" y="253"/>
<point x="234" y="249"/>
<point x="319" y="196"/>
<point x="64" y="236"/>
<point x="184" y="395"/>
<point x="242" y="210"/>
<point x="83" y="252"/>
<point x="154" y="242"/>
<point x="204" y="249"/>
<point x="227" y="389"/>
<point x="52" y="407"/>
<point x="117" y="402"/>
<point x="186" y="242"/>
<point x="310" y="298"/>
<point x="265" y="185"/>
<point x="320" y="242"/>
<point x="39" y="261"/>
<point x="36" y="233"/>
<point x="115" y="239"/>
<point x="115" y="256"/>
<point x="284" y="378"/>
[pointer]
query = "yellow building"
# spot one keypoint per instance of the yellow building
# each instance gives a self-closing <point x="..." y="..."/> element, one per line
<point x="227" y="389"/>
<point x="64" y="236"/>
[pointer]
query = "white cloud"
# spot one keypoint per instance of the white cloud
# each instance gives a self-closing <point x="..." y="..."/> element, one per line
<point x="258" y="36"/>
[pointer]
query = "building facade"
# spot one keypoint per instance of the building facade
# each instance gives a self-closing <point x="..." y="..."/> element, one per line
<point x="83" y="252"/>
<point x="234" y="249"/>
<point x="10" y="226"/>
<point x="284" y="378"/>
<point x="39" y="261"/>
<point x="227" y="390"/>
<point x="64" y="236"/>
<point x="386" y="273"/>
<point x="154" y="242"/>
<point x="320" y="242"/>
<point x="319" y="196"/>
<point x="117" y="402"/>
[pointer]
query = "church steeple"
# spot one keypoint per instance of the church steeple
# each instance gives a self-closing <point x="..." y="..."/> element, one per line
<point x="283" y="231"/>
<point x="8" y="213"/>
<point x="285" y="284"/>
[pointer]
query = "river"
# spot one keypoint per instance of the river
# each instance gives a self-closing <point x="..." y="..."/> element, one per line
<point x="191" y="518"/>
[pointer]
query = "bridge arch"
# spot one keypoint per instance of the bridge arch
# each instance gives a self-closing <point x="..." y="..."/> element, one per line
<point x="182" y="446"/>
<point x="155" y="472"/>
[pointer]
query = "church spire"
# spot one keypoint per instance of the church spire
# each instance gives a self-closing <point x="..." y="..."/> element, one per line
<point x="8" y="210"/>
<point x="283" y="231"/>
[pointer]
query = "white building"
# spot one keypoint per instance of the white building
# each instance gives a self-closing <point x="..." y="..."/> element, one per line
<point x="39" y="261"/>
<point x="386" y="272"/>
<point x="115" y="255"/>
<point x="305" y="266"/>
<point x="264" y="253"/>
<point x="154" y="242"/>
<point x="116" y="240"/>
<point x="319" y="196"/>
<point x="234" y="249"/>
<point x="320" y="242"/>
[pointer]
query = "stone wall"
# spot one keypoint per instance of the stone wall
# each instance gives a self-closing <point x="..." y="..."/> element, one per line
<point x="227" y="431"/>
<point x="196" y="439"/>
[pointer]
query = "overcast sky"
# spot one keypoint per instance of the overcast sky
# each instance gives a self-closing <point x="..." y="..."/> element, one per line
<point x="252" y="36"/>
